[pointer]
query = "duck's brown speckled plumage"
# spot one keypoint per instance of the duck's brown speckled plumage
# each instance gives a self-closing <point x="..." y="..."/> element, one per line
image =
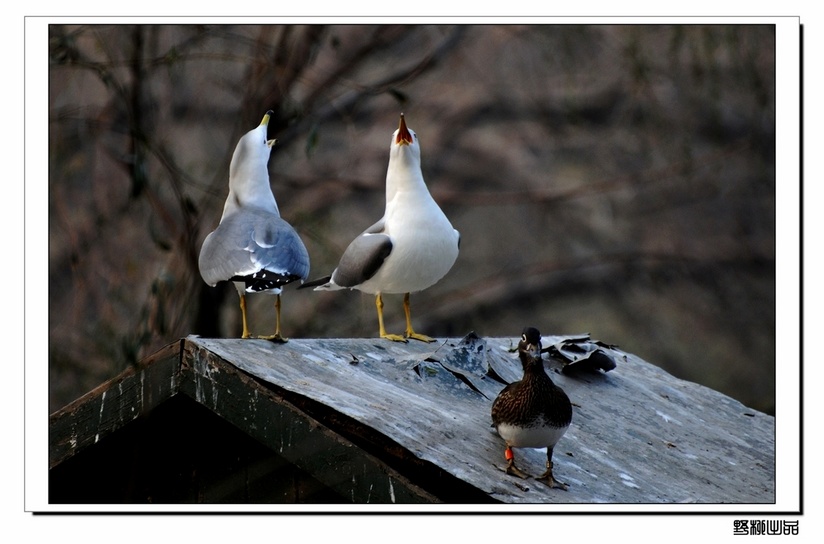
<point x="533" y="401"/>
<point x="533" y="412"/>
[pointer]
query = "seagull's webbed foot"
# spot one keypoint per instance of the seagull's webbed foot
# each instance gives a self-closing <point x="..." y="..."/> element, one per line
<point x="393" y="337"/>
<point x="277" y="338"/>
<point x="422" y="337"/>
<point x="381" y="329"/>
<point x="410" y="332"/>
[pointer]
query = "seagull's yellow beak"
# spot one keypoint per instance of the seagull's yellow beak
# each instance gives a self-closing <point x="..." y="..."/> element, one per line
<point x="404" y="136"/>
<point x="265" y="122"/>
<point x="266" y="117"/>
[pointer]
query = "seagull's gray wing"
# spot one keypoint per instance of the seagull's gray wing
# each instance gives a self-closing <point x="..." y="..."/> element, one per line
<point x="363" y="257"/>
<point x="256" y="247"/>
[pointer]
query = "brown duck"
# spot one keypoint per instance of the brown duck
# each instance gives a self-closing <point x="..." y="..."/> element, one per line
<point x="533" y="412"/>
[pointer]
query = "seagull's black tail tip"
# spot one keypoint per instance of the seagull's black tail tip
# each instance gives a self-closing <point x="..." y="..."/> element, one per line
<point x="315" y="283"/>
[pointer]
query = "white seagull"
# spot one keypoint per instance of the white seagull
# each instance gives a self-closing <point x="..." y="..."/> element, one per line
<point x="253" y="247"/>
<point x="409" y="249"/>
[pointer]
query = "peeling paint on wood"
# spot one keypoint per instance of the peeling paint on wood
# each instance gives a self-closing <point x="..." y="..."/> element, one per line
<point x="95" y="415"/>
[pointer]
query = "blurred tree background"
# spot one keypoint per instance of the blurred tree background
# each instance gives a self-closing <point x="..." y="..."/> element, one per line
<point x="617" y="180"/>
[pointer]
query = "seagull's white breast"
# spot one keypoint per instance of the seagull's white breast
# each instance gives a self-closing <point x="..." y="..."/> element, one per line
<point x="424" y="245"/>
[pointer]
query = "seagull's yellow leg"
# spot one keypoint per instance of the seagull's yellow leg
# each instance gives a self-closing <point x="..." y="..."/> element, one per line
<point x="382" y="330"/>
<point x="409" y="332"/>
<point x="243" y="315"/>
<point x="277" y="336"/>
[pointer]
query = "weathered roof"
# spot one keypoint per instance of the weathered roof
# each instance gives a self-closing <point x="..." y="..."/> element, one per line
<point x="638" y="434"/>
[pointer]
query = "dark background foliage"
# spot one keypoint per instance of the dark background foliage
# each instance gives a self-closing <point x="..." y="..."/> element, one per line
<point x="617" y="180"/>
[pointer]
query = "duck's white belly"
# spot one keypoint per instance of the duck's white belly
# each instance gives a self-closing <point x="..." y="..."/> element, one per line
<point x="531" y="437"/>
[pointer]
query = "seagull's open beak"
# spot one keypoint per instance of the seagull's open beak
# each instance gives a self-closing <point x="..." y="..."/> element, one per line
<point x="404" y="136"/>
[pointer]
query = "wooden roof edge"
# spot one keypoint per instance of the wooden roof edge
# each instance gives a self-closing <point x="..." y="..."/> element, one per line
<point x="221" y="386"/>
<point x="114" y="403"/>
<point x="183" y="368"/>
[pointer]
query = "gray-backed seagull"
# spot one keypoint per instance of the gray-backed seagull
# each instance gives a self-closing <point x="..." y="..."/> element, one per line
<point x="409" y="249"/>
<point x="253" y="247"/>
